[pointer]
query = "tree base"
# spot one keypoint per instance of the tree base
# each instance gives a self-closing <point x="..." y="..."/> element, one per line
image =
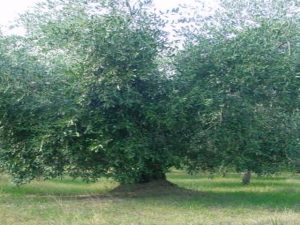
<point x="247" y="177"/>
<point x="153" y="188"/>
<point x="155" y="176"/>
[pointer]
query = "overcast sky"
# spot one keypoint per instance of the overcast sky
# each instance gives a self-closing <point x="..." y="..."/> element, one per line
<point x="9" y="9"/>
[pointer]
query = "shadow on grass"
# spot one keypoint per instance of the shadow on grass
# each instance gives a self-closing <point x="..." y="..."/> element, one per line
<point x="164" y="192"/>
<point x="258" y="184"/>
<point x="221" y="194"/>
<point x="55" y="188"/>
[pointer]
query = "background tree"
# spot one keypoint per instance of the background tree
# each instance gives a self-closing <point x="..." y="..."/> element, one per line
<point x="237" y="89"/>
<point x="31" y="103"/>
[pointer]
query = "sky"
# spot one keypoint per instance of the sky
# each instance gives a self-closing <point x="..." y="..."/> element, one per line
<point x="9" y="9"/>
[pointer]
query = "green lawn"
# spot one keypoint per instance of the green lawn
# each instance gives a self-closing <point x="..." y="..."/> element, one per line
<point x="195" y="200"/>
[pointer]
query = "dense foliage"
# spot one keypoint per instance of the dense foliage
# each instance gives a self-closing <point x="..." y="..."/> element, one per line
<point x="238" y="86"/>
<point x="90" y="91"/>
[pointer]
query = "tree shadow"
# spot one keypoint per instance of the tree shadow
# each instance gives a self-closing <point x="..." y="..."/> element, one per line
<point x="222" y="194"/>
<point x="154" y="189"/>
<point x="165" y="192"/>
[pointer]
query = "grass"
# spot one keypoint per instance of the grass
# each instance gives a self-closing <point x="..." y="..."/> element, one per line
<point x="194" y="200"/>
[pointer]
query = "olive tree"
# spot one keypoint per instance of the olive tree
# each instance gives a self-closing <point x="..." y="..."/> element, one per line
<point x="103" y="115"/>
<point x="31" y="104"/>
<point x="237" y="87"/>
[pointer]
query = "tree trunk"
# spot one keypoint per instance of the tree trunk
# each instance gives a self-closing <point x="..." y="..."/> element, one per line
<point x="297" y="166"/>
<point x="224" y="173"/>
<point x="151" y="173"/>
<point x="246" y="177"/>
